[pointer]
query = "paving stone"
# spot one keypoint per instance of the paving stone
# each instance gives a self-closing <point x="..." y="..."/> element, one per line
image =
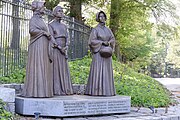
<point x="148" y="118"/>
<point x="102" y="118"/>
<point x="125" y="119"/>
<point x="129" y="115"/>
<point x="145" y="110"/>
<point x="161" y="110"/>
<point x="75" y="119"/>
<point x="165" y="118"/>
<point x="174" y="117"/>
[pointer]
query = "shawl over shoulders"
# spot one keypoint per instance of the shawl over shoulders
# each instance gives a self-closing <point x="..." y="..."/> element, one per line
<point x="98" y="35"/>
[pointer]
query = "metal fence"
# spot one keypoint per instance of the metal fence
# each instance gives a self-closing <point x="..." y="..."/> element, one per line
<point x="14" y="36"/>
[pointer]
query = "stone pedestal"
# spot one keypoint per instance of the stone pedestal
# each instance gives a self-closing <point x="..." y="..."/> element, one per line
<point x="74" y="105"/>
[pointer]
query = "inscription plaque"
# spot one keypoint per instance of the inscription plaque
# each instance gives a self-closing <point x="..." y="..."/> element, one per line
<point x="75" y="105"/>
<point x="97" y="107"/>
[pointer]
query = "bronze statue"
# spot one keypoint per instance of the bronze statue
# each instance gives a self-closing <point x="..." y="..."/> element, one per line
<point x="39" y="81"/>
<point x="60" y="38"/>
<point x="102" y="43"/>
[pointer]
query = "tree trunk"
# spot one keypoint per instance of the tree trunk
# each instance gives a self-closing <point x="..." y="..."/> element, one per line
<point x="15" y="42"/>
<point x="114" y="25"/>
<point x="75" y="9"/>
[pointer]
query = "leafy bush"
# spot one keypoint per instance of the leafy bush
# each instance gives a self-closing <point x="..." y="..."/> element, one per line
<point x="79" y="70"/>
<point x="4" y="115"/>
<point x="144" y="90"/>
<point x="16" y="77"/>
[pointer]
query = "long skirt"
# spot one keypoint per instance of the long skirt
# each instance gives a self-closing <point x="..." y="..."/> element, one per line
<point x="100" y="81"/>
<point x="61" y="74"/>
<point x="39" y="81"/>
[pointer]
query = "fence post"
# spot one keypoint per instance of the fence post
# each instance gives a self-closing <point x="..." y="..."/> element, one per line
<point x="72" y="39"/>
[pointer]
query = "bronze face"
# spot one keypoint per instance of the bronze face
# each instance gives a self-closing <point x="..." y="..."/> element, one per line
<point x="42" y="10"/>
<point x="102" y="18"/>
<point x="38" y="6"/>
<point x="58" y="12"/>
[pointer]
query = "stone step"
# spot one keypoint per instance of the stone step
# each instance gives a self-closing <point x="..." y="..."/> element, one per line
<point x="7" y="94"/>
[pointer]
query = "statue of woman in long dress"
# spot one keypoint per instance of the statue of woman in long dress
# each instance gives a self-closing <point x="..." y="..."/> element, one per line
<point x="100" y="81"/>
<point x="39" y="81"/>
<point x="61" y="73"/>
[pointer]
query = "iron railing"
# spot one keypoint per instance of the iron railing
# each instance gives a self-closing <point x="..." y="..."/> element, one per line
<point x="14" y="36"/>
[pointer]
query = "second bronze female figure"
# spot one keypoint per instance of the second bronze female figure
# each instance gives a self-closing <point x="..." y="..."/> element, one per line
<point x="61" y="74"/>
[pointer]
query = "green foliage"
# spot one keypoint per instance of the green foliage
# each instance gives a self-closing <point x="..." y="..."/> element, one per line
<point x="17" y="76"/>
<point x="50" y="4"/>
<point x="79" y="70"/>
<point x="164" y="46"/>
<point x="144" y="90"/>
<point x="134" y="31"/>
<point x="173" y="55"/>
<point x="12" y="59"/>
<point x="96" y="6"/>
<point x="4" y="115"/>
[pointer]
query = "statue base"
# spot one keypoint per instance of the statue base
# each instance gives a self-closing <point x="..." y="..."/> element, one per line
<point x="74" y="105"/>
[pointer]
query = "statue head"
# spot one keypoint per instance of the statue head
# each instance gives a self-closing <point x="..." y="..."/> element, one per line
<point x="101" y="17"/>
<point x="38" y="6"/>
<point x="58" y="12"/>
